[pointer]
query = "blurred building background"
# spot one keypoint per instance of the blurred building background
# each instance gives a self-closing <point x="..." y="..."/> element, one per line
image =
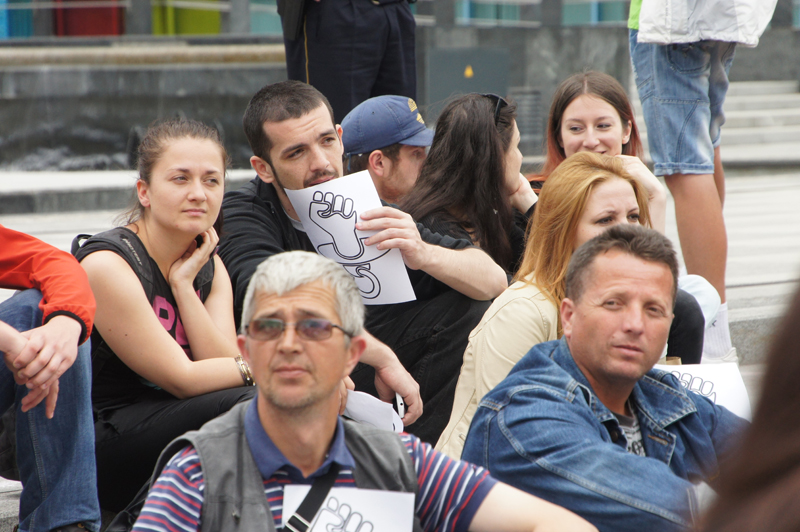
<point x="80" y="79"/>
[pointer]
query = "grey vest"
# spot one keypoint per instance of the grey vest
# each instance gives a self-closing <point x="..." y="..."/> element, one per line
<point x="234" y="491"/>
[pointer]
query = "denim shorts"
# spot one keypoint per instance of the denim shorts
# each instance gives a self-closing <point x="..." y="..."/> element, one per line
<point x="682" y="88"/>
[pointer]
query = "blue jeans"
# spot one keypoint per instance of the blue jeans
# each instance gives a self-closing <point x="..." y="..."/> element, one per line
<point x="55" y="456"/>
<point x="682" y="88"/>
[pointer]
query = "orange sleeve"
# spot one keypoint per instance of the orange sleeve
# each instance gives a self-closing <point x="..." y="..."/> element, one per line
<point x="27" y="262"/>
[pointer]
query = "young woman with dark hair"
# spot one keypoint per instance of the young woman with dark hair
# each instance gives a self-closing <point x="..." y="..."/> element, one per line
<point x="470" y="184"/>
<point x="612" y="126"/>
<point x="591" y="112"/>
<point x="164" y="351"/>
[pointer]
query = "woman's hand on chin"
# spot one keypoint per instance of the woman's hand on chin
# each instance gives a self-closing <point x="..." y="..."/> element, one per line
<point x="185" y="269"/>
<point x="524" y="196"/>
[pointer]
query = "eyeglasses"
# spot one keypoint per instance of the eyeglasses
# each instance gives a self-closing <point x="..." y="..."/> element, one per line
<point x="499" y="102"/>
<point x="314" y="329"/>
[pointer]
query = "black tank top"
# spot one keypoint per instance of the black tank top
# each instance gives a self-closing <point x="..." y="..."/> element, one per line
<point x="114" y="384"/>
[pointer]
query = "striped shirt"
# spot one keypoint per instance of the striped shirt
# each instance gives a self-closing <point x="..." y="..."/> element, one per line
<point x="450" y="491"/>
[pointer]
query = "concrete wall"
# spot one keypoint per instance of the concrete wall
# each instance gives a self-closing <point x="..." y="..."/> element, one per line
<point x="539" y="58"/>
<point x="82" y="117"/>
<point x="777" y="57"/>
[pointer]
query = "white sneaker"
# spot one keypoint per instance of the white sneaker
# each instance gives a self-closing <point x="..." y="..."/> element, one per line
<point x="730" y="356"/>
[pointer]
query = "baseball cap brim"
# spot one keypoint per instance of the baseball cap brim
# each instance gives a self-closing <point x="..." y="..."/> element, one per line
<point x="422" y="138"/>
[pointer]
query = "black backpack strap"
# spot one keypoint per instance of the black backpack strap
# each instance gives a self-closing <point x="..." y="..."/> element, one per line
<point x="77" y="243"/>
<point x="302" y="518"/>
<point x="133" y="251"/>
<point x="124" y="243"/>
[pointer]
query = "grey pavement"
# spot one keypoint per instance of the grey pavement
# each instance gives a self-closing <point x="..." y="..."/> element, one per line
<point x="762" y="125"/>
<point x="9" y="504"/>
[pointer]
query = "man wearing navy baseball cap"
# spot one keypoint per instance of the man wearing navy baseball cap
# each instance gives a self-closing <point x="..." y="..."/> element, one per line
<point x="387" y="136"/>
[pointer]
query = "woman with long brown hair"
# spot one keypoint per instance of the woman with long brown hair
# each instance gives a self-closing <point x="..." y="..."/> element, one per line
<point x="584" y="196"/>
<point x="470" y="184"/>
<point x="576" y="123"/>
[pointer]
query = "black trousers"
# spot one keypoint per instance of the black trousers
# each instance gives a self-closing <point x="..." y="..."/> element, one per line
<point x="687" y="331"/>
<point x="352" y="50"/>
<point x="429" y="337"/>
<point x="129" y="440"/>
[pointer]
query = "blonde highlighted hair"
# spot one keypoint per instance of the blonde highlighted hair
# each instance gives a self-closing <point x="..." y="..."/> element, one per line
<point x="552" y="231"/>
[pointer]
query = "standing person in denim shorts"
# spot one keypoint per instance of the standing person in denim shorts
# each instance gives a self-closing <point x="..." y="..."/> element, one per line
<point x="682" y="85"/>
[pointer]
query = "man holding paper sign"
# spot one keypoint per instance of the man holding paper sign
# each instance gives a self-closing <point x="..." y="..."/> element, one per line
<point x="302" y="333"/>
<point x="585" y="422"/>
<point x="296" y="145"/>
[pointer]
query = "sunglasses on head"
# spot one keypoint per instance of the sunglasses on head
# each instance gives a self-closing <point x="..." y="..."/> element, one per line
<point x="498" y="101"/>
<point x="314" y="329"/>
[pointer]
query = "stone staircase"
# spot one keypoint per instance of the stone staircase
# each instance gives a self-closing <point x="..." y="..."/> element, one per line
<point x="762" y="127"/>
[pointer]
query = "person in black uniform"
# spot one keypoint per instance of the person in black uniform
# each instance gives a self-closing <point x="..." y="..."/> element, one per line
<point x="350" y="50"/>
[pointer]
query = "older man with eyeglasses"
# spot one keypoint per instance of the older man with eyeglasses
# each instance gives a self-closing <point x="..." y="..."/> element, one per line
<point x="303" y="326"/>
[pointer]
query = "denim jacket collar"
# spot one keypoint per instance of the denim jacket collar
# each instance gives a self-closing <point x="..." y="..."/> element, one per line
<point x="657" y="404"/>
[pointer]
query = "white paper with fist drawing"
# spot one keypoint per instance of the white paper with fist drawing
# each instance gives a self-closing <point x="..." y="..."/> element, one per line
<point x="721" y="383"/>
<point x="329" y="213"/>
<point x="355" y="510"/>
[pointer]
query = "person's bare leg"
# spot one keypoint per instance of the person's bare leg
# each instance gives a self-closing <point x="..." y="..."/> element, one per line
<point x="701" y="227"/>
<point x="719" y="176"/>
<point x="704" y="241"/>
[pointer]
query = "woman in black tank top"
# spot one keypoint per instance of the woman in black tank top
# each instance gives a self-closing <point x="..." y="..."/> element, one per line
<point x="164" y="347"/>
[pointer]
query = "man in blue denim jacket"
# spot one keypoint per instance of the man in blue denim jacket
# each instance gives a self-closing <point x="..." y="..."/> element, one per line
<point x="585" y="422"/>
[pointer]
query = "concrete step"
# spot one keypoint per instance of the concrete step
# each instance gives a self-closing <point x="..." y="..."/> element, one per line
<point x="761" y="118"/>
<point x="737" y="136"/>
<point x="747" y="103"/>
<point x="42" y="192"/>
<point x="152" y="53"/>
<point x="763" y="226"/>
<point x="752" y="88"/>
<point x="782" y="154"/>
<point x="750" y="136"/>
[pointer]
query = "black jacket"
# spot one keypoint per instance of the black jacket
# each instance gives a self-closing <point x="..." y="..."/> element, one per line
<point x="256" y="227"/>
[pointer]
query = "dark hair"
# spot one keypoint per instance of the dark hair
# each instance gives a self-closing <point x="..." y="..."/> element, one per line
<point x="275" y="103"/>
<point x="640" y="242"/>
<point x="759" y="489"/>
<point x="153" y="145"/>
<point x="596" y="84"/>
<point x="360" y="161"/>
<point x="463" y="177"/>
